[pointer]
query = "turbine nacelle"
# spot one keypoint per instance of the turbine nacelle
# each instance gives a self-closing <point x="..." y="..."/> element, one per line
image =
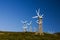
<point x="41" y="16"/>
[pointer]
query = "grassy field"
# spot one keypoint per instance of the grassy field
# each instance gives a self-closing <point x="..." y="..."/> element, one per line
<point x="27" y="36"/>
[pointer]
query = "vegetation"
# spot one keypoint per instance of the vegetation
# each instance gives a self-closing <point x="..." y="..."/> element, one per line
<point x="27" y="36"/>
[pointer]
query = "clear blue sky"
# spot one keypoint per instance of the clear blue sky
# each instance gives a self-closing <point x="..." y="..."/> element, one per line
<point x="13" y="11"/>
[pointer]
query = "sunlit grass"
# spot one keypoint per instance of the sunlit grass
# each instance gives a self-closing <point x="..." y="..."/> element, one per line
<point x="27" y="36"/>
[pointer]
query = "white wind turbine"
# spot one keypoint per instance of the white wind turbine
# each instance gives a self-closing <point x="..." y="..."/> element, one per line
<point x="24" y="25"/>
<point x="30" y="24"/>
<point x="39" y="21"/>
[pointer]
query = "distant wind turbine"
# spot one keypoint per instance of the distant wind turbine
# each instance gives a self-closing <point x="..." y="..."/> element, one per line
<point x="24" y="25"/>
<point x="39" y="21"/>
<point x="30" y="24"/>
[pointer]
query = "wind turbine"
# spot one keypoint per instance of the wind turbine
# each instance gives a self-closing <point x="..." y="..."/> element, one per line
<point x="39" y="21"/>
<point x="24" y="25"/>
<point x="30" y="24"/>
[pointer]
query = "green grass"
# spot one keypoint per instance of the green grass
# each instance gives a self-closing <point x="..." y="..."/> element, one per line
<point x="27" y="36"/>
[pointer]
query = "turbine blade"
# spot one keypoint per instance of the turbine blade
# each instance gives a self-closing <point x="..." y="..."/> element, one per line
<point x="28" y="24"/>
<point x="42" y="15"/>
<point x="37" y="21"/>
<point x="23" y="21"/>
<point x="38" y="11"/>
<point x="35" y="17"/>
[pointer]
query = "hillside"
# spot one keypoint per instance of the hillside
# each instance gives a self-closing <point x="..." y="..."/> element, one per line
<point x="27" y="36"/>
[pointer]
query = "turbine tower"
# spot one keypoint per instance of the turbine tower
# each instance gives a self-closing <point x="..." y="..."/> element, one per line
<point x="24" y="25"/>
<point x="39" y="21"/>
<point x="30" y="24"/>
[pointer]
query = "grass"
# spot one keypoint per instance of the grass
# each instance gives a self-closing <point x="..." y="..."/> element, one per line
<point x="27" y="36"/>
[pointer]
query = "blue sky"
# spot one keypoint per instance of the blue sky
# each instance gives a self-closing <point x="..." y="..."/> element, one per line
<point x="13" y="11"/>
